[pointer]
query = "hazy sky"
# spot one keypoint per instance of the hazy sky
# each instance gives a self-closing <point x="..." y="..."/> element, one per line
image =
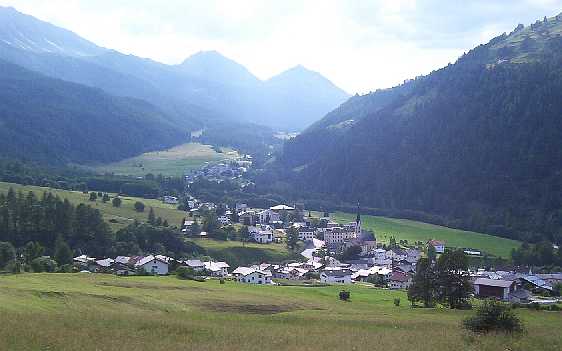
<point x="359" y="45"/>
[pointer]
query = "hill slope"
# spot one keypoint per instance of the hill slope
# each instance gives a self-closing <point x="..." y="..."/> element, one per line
<point x="478" y="142"/>
<point x="60" y="122"/>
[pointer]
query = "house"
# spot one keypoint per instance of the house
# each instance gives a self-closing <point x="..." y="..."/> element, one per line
<point x="262" y="236"/>
<point x="399" y="280"/>
<point x="268" y="216"/>
<point x="253" y="276"/>
<point x="224" y="220"/>
<point x="152" y="264"/>
<point x="498" y="288"/>
<point x="241" y="207"/>
<point x="341" y="276"/>
<point x="247" y="218"/>
<point x="104" y="265"/>
<point x="413" y="255"/>
<point x="336" y="236"/>
<point x="171" y="200"/>
<point x="196" y="265"/>
<point x="217" y="269"/>
<point x="438" y="245"/>
<point x="306" y="234"/>
<point x="280" y="208"/>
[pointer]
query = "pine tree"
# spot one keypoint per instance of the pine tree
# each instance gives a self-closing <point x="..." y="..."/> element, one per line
<point x="63" y="253"/>
<point x="151" y="216"/>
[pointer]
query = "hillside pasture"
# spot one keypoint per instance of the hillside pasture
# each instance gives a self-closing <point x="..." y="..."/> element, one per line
<point x="91" y="312"/>
<point x="404" y="229"/>
<point x="118" y="217"/>
<point x="172" y="162"/>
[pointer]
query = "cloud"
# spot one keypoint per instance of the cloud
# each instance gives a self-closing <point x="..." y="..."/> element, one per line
<point x="360" y="45"/>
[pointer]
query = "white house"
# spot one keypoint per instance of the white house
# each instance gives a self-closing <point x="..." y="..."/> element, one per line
<point x="438" y="245"/>
<point x="338" y="235"/>
<point x="217" y="269"/>
<point x="268" y="216"/>
<point x="196" y="265"/>
<point x="262" y="236"/>
<point x="306" y="234"/>
<point x="172" y="200"/>
<point x="224" y="220"/>
<point x="342" y="276"/>
<point x="152" y="265"/>
<point x="253" y="276"/>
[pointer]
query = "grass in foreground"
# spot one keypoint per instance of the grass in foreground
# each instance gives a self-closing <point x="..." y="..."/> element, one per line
<point x="117" y="217"/>
<point x="90" y="312"/>
<point x="404" y="229"/>
<point x="173" y="162"/>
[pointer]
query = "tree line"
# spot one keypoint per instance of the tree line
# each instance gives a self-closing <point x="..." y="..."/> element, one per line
<point x="51" y="226"/>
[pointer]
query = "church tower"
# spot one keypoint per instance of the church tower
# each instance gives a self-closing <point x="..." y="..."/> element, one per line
<point x="358" y="221"/>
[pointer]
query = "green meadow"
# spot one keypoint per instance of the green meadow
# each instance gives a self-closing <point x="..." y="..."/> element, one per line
<point x="404" y="229"/>
<point x="91" y="312"/>
<point x="118" y="217"/>
<point x="173" y="162"/>
<point x="237" y="253"/>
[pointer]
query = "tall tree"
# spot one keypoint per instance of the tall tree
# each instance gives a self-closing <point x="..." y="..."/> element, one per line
<point x="63" y="253"/>
<point x="424" y="284"/>
<point x="453" y="279"/>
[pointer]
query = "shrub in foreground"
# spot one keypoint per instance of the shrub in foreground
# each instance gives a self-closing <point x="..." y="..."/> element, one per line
<point x="494" y="316"/>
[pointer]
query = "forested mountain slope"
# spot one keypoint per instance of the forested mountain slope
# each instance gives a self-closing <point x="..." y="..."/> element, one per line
<point x="478" y="142"/>
<point x="58" y="122"/>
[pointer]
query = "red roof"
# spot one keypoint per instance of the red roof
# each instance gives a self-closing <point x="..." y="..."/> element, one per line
<point x="399" y="277"/>
<point x="437" y="242"/>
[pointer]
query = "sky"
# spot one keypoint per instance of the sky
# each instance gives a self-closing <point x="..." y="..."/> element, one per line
<point x="360" y="45"/>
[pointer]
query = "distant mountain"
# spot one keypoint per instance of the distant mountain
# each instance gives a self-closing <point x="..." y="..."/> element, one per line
<point x="205" y="88"/>
<point x="477" y="143"/>
<point x="25" y="32"/>
<point x="212" y="66"/>
<point x="298" y="97"/>
<point x="54" y="121"/>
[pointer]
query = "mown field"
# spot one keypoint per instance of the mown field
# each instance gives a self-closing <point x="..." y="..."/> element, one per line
<point x="173" y="162"/>
<point x="237" y="253"/>
<point x="90" y="312"/>
<point x="404" y="229"/>
<point x="118" y="217"/>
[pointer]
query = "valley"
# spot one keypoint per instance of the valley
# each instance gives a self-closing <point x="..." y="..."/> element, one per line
<point x="158" y="194"/>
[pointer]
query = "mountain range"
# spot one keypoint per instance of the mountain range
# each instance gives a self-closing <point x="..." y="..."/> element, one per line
<point x="477" y="143"/>
<point x="205" y="87"/>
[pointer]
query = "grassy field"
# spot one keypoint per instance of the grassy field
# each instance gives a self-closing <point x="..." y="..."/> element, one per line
<point x="403" y="229"/>
<point x="237" y="253"/>
<point x="173" y="162"/>
<point x="90" y="312"/>
<point x="117" y="217"/>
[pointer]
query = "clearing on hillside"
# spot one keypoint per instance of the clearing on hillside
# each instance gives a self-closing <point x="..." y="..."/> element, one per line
<point x="405" y="229"/>
<point x="173" y="162"/>
<point x="117" y="217"/>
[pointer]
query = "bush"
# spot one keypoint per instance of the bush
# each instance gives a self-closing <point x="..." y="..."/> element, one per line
<point x="139" y="206"/>
<point x="43" y="264"/>
<point x="345" y="295"/>
<point x="116" y="202"/>
<point x="397" y="302"/>
<point x="185" y="273"/>
<point x="494" y="316"/>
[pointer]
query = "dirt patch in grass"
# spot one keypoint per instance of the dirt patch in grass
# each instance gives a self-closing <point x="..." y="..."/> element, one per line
<point x="50" y="294"/>
<point x="246" y="308"/>
<point x="151" y="286"/>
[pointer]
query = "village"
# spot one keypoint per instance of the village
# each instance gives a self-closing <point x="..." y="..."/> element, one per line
<point x="332" y="253"/>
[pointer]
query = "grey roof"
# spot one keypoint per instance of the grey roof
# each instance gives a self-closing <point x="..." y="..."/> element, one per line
<point x="194" y="263"/>
<point x="337" y="273"/>
<point x="536" y="281"/>
<point x="493" y="282"/>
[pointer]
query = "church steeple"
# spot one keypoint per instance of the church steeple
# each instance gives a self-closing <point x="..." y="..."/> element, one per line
<point x="358" y="220"/>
